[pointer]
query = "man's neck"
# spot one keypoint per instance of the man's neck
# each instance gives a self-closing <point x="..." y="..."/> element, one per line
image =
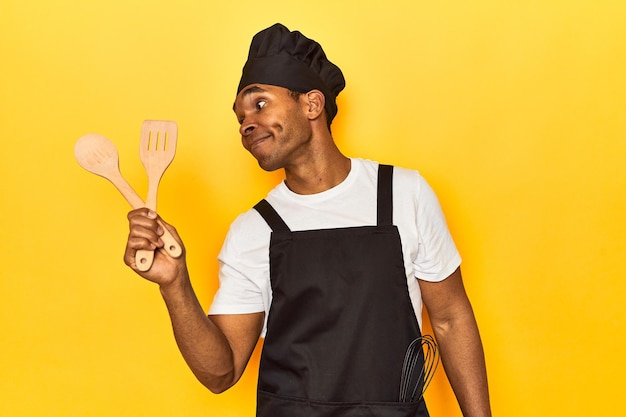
<point x="319" y="174"/>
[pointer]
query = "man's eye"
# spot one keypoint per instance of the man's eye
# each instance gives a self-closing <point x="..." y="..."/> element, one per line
<point x="260" y="104"/>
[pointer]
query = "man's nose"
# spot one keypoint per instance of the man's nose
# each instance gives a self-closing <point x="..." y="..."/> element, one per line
<point x="247" y="127"/>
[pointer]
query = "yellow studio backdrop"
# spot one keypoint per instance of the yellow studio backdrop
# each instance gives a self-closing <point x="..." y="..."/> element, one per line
<point x="513" y="110"/>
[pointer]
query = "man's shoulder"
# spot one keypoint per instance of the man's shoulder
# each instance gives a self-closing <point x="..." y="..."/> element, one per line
<point x="402" y="175"/>
<point x="248" y="227"/>
<point x="247" y="219"/>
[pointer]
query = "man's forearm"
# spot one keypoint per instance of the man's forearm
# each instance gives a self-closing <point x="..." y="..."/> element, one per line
<point x="202" y="344"/>
<point x="464" y="362"/>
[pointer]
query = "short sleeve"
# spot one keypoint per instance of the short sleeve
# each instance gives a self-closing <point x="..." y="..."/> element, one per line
<point x="243" y="272"/>
<point x="436" y="256"/>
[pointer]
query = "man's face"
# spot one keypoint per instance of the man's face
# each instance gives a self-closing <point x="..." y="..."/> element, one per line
<point x="273" y="125"/>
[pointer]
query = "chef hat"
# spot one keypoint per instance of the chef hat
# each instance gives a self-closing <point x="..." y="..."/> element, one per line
<point x="293" y="61"/>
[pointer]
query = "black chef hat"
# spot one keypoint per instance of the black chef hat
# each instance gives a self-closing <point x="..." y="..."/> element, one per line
<point x="291" y="60"/>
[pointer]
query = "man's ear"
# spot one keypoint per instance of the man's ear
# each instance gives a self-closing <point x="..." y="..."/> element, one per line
<point x="315" y="101"/>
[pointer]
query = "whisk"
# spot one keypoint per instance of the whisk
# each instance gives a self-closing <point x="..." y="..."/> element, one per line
<point x="420" y="363"/>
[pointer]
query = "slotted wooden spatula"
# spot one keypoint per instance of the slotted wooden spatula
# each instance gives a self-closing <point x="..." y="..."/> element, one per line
<point x="157" y="147"/>
<point x="98" y="155"/>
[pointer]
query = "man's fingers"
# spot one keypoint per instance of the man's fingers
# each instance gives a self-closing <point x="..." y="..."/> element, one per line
<point x="144" y="234"/>
<point x="143" y="225"/>
<point x="143" y="211"/>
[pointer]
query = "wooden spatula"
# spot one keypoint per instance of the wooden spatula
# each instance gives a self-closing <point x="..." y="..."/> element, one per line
<point x="157" y="146"/>
<point x="98" y="155"/>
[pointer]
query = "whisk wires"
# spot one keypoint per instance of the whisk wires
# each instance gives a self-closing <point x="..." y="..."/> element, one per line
<point x="420" y="363"/>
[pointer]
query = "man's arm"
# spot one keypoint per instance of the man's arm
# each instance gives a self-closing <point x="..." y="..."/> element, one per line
<point x="456" y="331"/>
<point x="216" y="348"/>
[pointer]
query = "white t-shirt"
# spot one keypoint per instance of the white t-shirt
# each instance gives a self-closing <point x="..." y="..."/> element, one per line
<point x="428" y="249"/>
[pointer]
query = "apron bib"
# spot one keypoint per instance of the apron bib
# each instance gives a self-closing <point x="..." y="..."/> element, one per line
<point x="340" y="320"/>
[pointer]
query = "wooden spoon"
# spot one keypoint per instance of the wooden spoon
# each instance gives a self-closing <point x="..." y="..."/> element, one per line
<point x="98" y="155"/>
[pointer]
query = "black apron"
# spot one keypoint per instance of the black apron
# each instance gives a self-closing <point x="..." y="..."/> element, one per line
<point x="340" y="320"/>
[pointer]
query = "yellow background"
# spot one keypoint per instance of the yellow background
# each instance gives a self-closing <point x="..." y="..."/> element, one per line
<point x="513" y="110"/>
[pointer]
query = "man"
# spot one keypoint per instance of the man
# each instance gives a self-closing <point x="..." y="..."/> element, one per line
<point x="331" y="267"/>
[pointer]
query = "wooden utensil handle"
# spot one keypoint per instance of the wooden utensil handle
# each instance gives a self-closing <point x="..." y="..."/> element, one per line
<point x="171" y="245"/>
<point x="144" y="258"/>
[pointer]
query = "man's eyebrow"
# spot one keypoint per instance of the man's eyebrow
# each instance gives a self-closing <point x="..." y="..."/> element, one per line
<point x="251" y="90"/>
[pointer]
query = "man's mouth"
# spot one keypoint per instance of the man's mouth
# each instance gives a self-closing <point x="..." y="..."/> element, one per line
<point x="258" y="141"/>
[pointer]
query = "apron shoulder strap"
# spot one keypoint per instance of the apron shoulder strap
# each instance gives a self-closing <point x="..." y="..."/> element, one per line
<point x="385" y="195"/>
<point x="270" y="215"/>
